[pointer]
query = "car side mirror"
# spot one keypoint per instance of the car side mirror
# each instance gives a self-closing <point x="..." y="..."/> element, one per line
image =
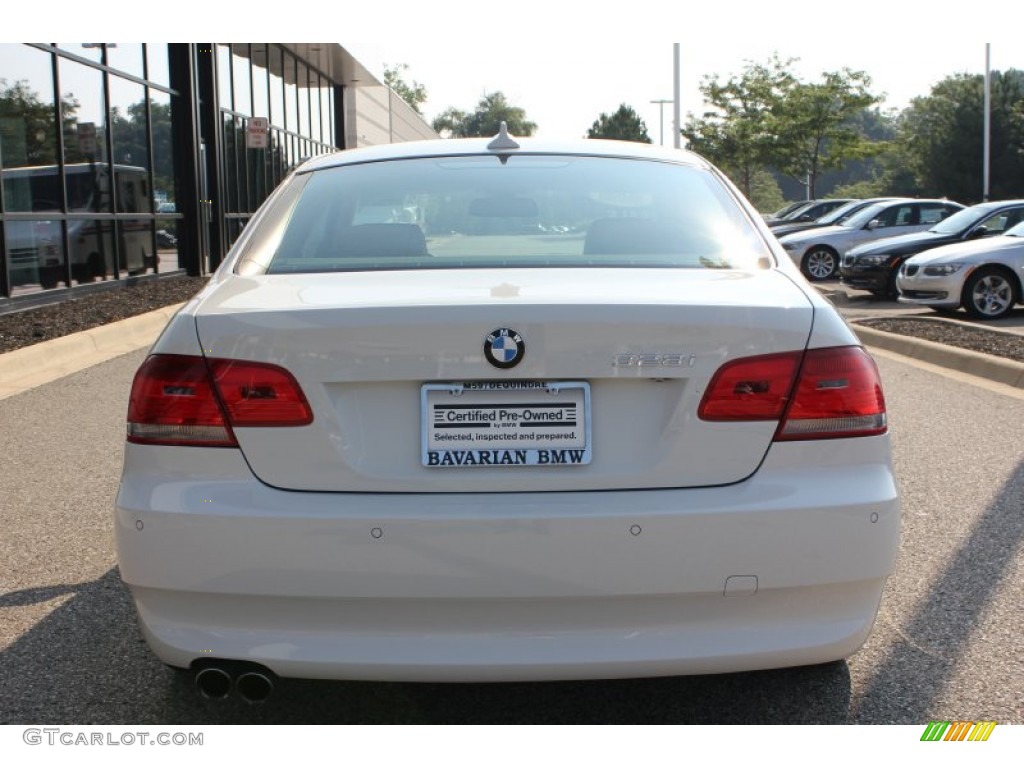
<point x="979" y="232"/>
<point x="874" y="224"/>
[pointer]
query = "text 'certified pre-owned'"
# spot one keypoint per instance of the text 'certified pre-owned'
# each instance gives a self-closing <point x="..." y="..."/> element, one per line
<point x="504" y="348"/>
<point x="506" y="423"/>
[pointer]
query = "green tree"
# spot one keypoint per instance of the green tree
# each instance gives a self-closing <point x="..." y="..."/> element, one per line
<point x="765" y="194"/>
<point x="943" y="137"/>
<point x="734" y="133"/>
<point x="414" y="94"/>
<point x="131" y="139"/>
<point x="27" y="135"/>
<point x="815" y="127"/>
<point x="623" y="124"/>
<point x="131" y="144"/>
<point x="450" y="123"/>
<point x="491" y="111"/>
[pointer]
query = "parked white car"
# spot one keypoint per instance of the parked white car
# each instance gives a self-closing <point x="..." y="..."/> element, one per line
<point x="583" y="419"/>
<point x="983" y="276"/>
<point x="818" y="251"/>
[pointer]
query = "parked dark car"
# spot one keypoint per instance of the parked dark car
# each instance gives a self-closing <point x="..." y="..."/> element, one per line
<point x="812" y="212"/>
<point x="165" y="239"/>
<point x="786" y="210"/>
<point x="874" y="266"/>
<point x="838" y="216"/>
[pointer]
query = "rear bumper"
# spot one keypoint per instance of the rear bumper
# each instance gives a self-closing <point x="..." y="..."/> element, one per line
<point x="783" y="569"/>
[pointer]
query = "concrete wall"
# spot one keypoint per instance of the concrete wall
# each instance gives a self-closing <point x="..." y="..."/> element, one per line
<point x="374" y="114"/>
<point x="406" y="123"/>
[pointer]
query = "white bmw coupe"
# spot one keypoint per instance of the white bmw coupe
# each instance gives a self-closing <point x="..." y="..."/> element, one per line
<point x="476" y="410"/>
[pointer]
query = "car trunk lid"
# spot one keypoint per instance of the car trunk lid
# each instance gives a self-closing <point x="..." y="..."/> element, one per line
<point x="614" y="362"/>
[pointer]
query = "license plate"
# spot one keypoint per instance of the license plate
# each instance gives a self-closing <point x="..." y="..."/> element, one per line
<point x="506" y="424"/>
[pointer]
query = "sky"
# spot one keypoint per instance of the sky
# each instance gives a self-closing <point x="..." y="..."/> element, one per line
<point x="567" y="61"/>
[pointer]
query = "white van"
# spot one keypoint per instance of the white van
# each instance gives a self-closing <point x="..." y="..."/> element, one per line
<point x="36" y="255"/>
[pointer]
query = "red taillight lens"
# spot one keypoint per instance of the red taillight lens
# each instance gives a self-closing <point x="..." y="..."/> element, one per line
<point x="260" y="395"/>
<point x="839" y="394"/>
<point x="819" y="394"/>
<point x="173" y="403"/>
<point x="750" y="389"/>
<point x="181" y="400"/>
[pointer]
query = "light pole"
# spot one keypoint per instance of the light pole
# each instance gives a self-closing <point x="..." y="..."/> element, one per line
<point x="661" y="118"/>
<point x="987" y="128"/>
<point x="677" y="138"/>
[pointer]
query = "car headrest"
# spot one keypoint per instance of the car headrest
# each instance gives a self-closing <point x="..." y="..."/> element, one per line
<point x="635" y="236"/>
<point x="373" y="240"/>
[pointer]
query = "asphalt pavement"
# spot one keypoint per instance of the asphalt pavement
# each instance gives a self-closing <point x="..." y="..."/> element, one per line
<point x="946" y="645"/>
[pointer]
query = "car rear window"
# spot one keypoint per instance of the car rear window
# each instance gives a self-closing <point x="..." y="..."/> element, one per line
<point x="519" y="211"/>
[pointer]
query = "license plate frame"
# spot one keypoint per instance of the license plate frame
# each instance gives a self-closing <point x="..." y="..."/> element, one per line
<point x="498" y="424"/>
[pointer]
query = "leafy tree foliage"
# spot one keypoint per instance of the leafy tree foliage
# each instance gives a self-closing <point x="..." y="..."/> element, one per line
<point x="765" y="194"/>
<point x="943" y="137"/>
<point x="623" y="124"/>
<point x="734" y="133"/>
<point x="877" y="127"/>
<point x="451" y="123"/>
<point x="27" y="135"/>
<point x="413" y="93"/>
<point x="130" y="139"/>
<point x="492" y="109"/>
<point x="766" y="117"/>
<point x="815" y="126"/>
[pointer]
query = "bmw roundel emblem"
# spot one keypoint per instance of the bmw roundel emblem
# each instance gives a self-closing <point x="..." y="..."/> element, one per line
<point x="504" y="348"/>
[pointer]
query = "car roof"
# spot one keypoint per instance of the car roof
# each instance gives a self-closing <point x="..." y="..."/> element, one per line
<point x="467" y="147"/>
<point x="905" y="200"/>
<point x="886" y="204"/>
<point x="995" y="205"/>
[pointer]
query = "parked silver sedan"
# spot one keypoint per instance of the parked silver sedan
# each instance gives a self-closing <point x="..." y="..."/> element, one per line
<point x="819" y="251"/>
<point x="983" y="276"/>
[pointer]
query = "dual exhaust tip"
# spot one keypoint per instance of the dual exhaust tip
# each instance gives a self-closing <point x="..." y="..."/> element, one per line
<point x="251" y="682"/>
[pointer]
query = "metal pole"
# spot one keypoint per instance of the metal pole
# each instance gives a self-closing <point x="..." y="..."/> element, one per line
<point x="661" y="117"/>
<point x="988" y="125"/>
<point x="676" y="127"/>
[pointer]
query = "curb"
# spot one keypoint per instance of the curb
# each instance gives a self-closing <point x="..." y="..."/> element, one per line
<point x="990" y="367"/>
<point x="976" y="326"/>
<point x="41" y="363"/>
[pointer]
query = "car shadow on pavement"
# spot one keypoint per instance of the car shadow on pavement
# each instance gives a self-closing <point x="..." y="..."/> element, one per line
<point x="931" y="645"/>
<point x="86" y="662"/>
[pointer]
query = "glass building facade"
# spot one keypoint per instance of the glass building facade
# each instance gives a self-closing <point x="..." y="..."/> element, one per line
<point x="87" y="170"/>
<point x="267" y="80"/>
<point x="131" y="161"/>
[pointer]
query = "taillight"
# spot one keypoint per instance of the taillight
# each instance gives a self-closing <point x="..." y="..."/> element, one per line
<point x="260" y="394"/>
<point x="750" y="389"/>
<point x="173" y="403"/>
<point x="186" y="400"/>
<point x="839" y="394"/>
<point x="817" y="394"/>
